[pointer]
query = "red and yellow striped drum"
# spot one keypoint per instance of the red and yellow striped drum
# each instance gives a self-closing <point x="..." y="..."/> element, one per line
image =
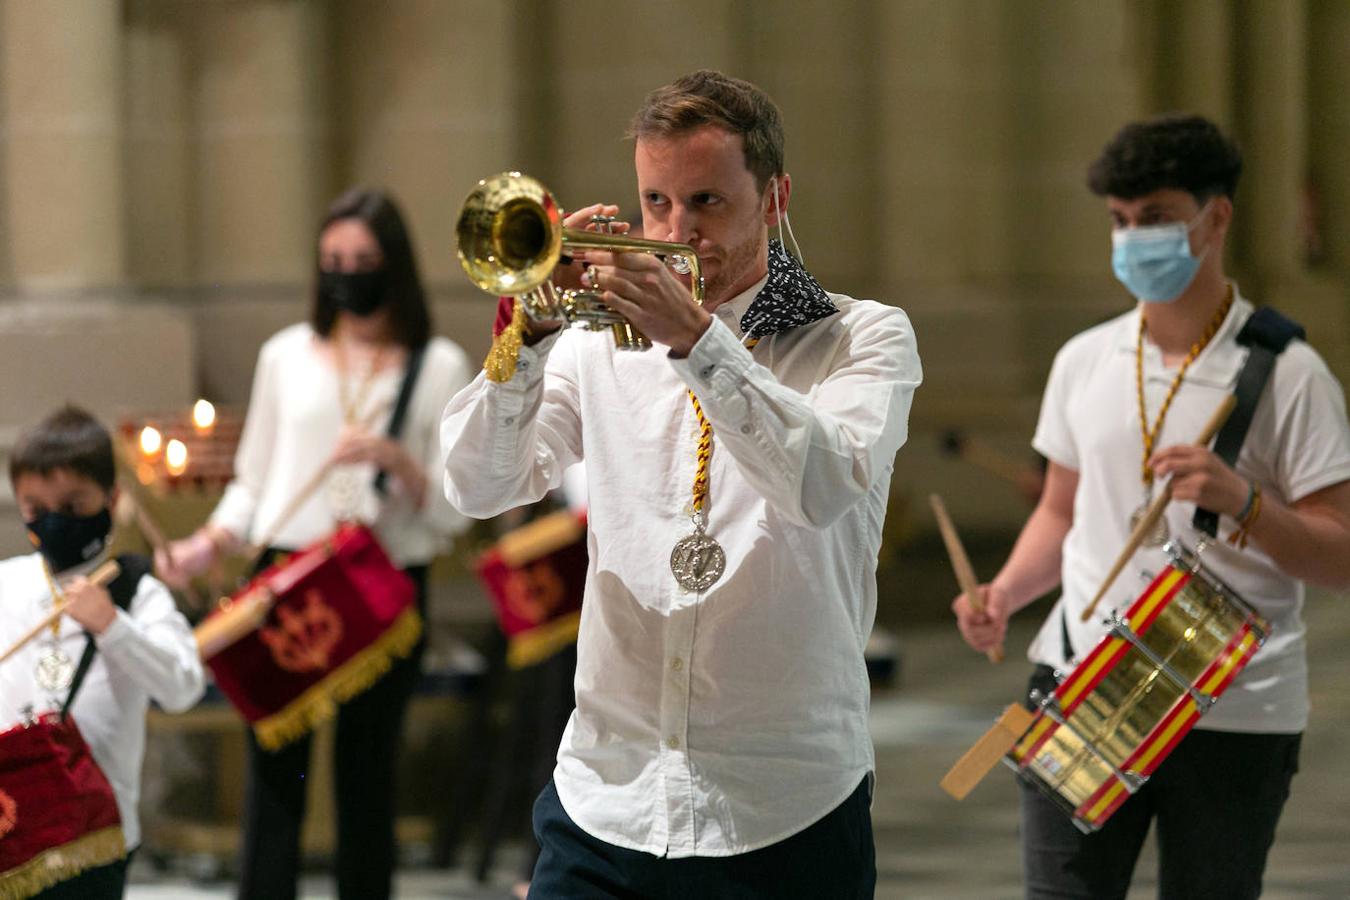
<point x="1116" y="716"/>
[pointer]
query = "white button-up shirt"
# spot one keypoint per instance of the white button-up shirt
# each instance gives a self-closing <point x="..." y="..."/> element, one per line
<point x="711" y="723"/>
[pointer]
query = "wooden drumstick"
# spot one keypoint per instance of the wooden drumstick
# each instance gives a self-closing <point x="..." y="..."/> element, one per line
<point x="100" y="576"/>
<point x="965" y="574"/>
<point x="1156" y="508"/>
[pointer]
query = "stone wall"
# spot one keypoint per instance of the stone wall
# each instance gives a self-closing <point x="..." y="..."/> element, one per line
<point x="171" y="157"/>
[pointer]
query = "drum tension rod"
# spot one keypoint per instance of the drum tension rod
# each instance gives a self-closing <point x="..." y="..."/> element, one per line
<point x="1133" y="781"/>
<point x="1122" y="629"/>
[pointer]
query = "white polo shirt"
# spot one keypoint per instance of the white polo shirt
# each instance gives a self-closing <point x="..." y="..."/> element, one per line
<point x="1299" y="443"/>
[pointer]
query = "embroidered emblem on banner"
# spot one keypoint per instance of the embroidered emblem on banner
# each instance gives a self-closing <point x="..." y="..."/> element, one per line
<point x="534" y="592"/>
<point x="9" y="814"/>
<point x="304" y="638"/>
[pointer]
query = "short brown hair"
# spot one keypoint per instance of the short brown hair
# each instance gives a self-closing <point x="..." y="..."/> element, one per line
<point x="71" y="439"/>
<point x="707" y="97"/>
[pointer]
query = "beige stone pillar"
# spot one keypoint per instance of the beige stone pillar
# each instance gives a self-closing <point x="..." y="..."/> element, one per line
<point x="426" y="110"/>
<point x="1191" y="58"/>
<point x="820" y="64"/>
<point x="61" y="90"/>
<point x="1329" y="114"/>
<point x="260" y="79"/>
<point x="158" y="123"/>
<point x="1273" y="123"/>
<point x="608" y="56"/>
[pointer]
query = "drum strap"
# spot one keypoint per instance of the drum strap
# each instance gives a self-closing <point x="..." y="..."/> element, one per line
<point x="400" y="413"/>
<point x="123" y="591"/>
<point x="1267" y="332"/>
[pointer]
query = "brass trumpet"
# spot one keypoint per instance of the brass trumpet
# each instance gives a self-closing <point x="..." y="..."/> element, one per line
<point x="511" y="238"/>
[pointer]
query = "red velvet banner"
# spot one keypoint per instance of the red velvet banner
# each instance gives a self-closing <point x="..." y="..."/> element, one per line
<point x="330" y="617"/>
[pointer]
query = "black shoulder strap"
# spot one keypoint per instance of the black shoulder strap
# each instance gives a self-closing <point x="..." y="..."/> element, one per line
<point x="1267" y="332"/>
<point x="400" y="414"/>
<point x="123" y="590"/>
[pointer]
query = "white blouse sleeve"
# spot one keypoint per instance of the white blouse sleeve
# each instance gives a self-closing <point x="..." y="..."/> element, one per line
<point x="237" y="506"/>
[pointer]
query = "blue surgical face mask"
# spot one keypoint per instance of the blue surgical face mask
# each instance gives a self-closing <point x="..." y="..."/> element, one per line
<point x="1154" y="262"/>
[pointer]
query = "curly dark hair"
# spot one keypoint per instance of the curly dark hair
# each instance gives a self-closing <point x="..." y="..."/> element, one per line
<point x="708" y="97"/>
<point x="403" y="291"/>
<point x="1180" y="151"/>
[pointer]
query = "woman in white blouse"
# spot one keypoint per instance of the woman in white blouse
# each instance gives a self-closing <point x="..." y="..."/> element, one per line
<point x="323" y="393"/>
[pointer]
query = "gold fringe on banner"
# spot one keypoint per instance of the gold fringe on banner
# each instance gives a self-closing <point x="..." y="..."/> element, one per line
<point x="536" y="645"/>
<point x="51" y="867"/>
<point x="319" y="704"/>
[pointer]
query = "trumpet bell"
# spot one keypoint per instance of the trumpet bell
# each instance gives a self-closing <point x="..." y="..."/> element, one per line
<point x="510" y="234"/>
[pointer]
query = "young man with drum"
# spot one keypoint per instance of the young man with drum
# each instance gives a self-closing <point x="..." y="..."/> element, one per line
<point x="1121" y="413"/>
<point x="719" y="744"/>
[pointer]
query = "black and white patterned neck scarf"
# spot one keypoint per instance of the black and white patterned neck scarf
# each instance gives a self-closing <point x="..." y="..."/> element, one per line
<point x="791" y="298"/>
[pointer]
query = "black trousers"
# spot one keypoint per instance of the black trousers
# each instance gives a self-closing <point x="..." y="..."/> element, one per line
<point x="101" y="883"/>
<point x="369" y="728"/>
<point x="1216" y="800"/>
<point x="834" y="859"/>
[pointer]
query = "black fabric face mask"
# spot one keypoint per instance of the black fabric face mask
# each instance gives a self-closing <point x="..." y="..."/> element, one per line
<point x="68" y="541"/>
<point x="359" y="293"/>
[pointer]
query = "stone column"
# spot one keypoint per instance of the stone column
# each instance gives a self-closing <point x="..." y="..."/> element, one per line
<point x="1272" y="126"/>
<point x="261" y="86"/>
<point x="60" y="86"/>
<point x="426" y="108"/>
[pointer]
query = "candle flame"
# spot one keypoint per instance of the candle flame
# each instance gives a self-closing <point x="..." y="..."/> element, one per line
<point x="151" y="440"/>
<point x="176" y="457"/>
<point x="203" y="414"/>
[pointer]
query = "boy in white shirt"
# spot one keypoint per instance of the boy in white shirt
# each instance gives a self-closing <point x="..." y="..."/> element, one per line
<point x="63" y="473"/>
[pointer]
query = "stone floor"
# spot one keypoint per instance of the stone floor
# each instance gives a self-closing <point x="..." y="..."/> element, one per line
<point x="929" y="846"/>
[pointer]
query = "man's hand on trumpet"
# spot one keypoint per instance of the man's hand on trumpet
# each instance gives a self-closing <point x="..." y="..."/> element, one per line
<point x="642" y="288"/>
<point x="567" y="275"/>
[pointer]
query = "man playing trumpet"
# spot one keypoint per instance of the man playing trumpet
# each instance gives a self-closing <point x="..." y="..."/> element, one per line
<point x="738" y="477"/>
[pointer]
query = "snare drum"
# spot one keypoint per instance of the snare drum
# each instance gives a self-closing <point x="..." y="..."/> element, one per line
<point x="1116" y="716"/>
<point x="58" y="813"/>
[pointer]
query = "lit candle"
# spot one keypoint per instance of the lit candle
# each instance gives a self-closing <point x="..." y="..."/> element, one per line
<point x="176" y="457"/>
<point x="151" y="442"/>
<point x="203" y="417"/>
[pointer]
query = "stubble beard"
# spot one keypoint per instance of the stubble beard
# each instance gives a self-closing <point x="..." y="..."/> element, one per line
<point x="731" y="274"/>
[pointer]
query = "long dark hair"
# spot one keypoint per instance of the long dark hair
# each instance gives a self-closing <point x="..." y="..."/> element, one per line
<point x="404" y="296"/>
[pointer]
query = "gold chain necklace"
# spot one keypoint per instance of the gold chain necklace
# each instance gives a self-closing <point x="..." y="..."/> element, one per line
<point x="697" y="560"/>
<point x="1150" y="435"/>
<point x="351" y="406"/>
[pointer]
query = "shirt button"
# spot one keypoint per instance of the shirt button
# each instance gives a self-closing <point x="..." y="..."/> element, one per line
<point x="523" y="365"/>
<point x="677" y="664"/>
<point x="673" y="742"/>
<point x="706" y="371"/>
<point x="510" y="420"/>
<point x="745" y="429"/>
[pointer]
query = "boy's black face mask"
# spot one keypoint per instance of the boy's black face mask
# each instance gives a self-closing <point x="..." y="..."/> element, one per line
<point x="68" y="541"/>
